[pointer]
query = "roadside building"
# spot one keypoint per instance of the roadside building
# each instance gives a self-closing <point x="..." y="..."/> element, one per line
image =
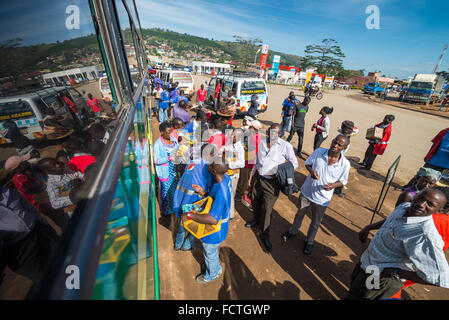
<point x="79" y="74"/>
<point x="207" y="67"/>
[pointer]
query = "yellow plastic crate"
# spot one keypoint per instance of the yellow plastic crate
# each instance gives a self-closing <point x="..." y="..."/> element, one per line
<point x="201" y="230"/>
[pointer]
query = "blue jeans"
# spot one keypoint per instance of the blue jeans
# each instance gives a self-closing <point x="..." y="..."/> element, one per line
<point x="163" y="116"/>
<point x="286" y="124"/>
<point x="156" y="104"/>
<point x="442" y="106"/>
<point x="180" y="242"/>
<point x="213" y="267"/>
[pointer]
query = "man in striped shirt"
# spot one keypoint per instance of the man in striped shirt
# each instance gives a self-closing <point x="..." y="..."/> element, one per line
<point x="407" y="246"/>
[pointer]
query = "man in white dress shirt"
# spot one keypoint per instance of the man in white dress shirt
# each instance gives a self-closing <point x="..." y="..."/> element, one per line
<point x="273" y="151"/>
<point x="328" y="169"/>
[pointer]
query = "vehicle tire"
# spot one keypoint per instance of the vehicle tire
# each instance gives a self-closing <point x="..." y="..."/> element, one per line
<point x="319" y="96"/>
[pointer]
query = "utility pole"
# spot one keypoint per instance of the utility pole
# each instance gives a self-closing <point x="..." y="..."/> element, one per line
<point x="441" y="59"/>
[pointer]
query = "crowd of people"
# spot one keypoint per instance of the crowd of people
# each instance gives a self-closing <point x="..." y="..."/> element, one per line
<point x="205" y="155"/>
<point x="38" y="193"/>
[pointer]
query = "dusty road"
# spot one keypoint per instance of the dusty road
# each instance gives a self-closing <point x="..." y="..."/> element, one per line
<point x="412" y="131"/>
<point x="286" y="273"/>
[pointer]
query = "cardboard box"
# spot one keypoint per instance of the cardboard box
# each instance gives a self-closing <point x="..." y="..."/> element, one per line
<point x="374" y="133"/>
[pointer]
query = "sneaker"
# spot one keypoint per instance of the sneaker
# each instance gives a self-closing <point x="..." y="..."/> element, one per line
<point x="200" y="279"/>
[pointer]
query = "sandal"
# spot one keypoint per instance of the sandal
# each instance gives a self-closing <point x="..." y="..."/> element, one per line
<point x="285" y="236"/>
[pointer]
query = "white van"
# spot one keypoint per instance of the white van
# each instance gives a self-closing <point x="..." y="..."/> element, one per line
<point x="27" y="109"/>
<point x="184" y="79"/>
<point x="244" y="88"/>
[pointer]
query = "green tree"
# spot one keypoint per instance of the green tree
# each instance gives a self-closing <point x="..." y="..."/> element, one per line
<point x="247" y="49"/>
<point x="325" y="56"/>
<point x="444" y="74"/>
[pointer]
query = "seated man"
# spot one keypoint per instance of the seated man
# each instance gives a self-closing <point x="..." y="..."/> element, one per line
<point x="407" y="246"/>
<point x="58" y="182"/>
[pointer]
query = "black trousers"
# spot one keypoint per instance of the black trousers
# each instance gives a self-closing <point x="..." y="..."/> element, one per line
<point x="388" y="286"/>
<point x="264" y="195"/>
<point x="318" y="140"/>
<point x="369" y="157"/>
<point x="300" y="132"/>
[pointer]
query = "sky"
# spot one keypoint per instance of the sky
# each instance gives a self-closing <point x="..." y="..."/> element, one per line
<point x="410" y="39"/>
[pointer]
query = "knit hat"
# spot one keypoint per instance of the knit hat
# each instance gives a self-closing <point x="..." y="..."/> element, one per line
<point x="428" y="172"/>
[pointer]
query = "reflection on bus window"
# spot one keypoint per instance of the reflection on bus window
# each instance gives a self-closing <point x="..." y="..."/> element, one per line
<point x="55" y="124"/>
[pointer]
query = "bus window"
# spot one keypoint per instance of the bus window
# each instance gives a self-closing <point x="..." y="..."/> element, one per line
<point x="182" y="77"/>
<point x="252" y="87"/>
<point x="234" y="87"/>
<point x="15" y="110"/>
<point x="227" y="85"/>
<point x="53" y="101"/>
<point x="164" y="77"/>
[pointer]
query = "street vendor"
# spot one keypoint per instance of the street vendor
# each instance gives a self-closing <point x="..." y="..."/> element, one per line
<point x="220" y="192"/>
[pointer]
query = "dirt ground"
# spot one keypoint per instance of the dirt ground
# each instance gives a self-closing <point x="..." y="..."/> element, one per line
<point x="252" y="273"/>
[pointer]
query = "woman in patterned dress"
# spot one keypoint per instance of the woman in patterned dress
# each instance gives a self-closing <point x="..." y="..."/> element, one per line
<point x="163" y="148"/>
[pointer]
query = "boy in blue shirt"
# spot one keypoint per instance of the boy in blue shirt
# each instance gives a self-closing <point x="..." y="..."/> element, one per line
<point x="163" y="105"/>
<point x="221" y="194"/>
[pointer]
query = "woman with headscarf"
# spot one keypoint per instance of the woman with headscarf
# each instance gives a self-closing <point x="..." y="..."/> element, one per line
<point x="427" y="178"/>
<point x="165" y="168"/>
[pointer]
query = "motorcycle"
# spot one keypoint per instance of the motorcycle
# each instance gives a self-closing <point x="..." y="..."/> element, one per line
<point x="314" y="92"/>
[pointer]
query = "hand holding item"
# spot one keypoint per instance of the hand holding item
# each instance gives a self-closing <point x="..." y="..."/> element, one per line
<point x="315" y="175"/>
<point x="329" y="186"/>
<point x="198" y="190"/>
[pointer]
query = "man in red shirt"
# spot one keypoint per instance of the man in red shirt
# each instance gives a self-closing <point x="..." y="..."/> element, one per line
<point x="217" y="93"/>
<point x="94" y="104"/>
<point x="201" y="96"/>
<point x="377" y="147"/>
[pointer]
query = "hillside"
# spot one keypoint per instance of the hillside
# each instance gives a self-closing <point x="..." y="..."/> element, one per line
<point x="229" y="50"/>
